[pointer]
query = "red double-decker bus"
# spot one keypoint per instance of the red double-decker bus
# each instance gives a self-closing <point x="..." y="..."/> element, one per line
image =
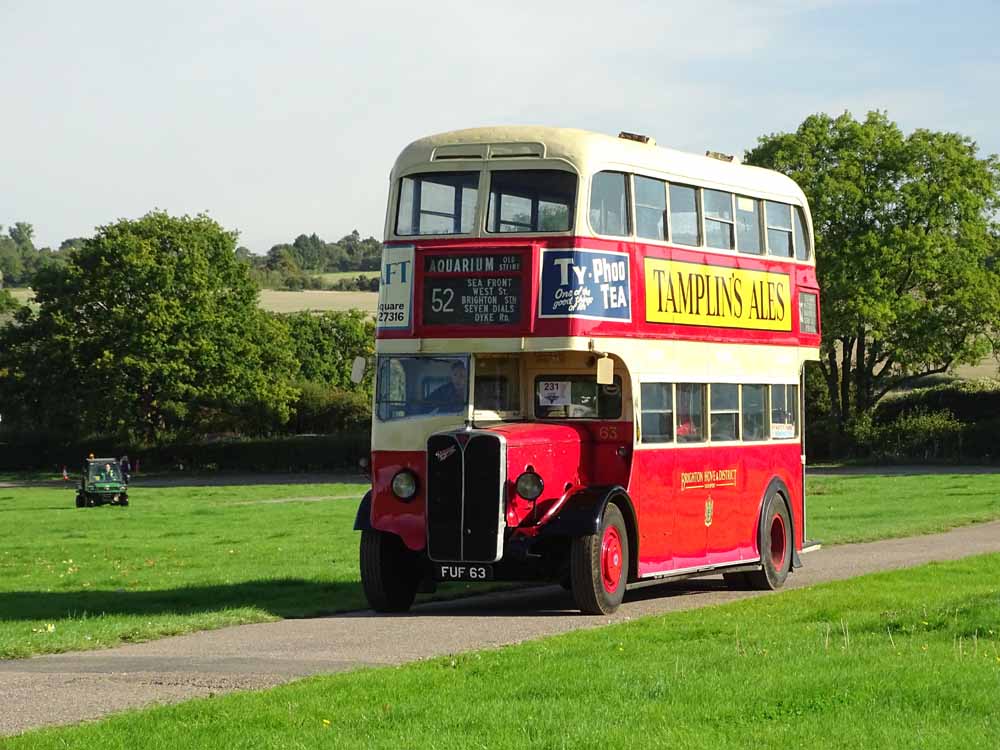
<point x="590" y="353"/>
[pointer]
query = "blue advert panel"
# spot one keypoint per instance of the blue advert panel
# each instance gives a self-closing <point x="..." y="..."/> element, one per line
<point x="579" y="283"/>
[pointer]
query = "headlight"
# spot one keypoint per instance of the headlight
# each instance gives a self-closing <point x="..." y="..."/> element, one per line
<point x="529" y="485"/>
<point x="404" y="485"/>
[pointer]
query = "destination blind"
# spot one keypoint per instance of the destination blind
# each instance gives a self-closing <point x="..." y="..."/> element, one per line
<point x="481" y="289"/>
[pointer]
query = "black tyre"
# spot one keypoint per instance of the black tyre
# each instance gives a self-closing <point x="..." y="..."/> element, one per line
<point x="123" y="502"/>
<point x="390" y="573"/>
<point x="79" y="500"/>
<point x="91" y="502"/>
<point x="774" y="540"/>
<point x="598" y="566"/>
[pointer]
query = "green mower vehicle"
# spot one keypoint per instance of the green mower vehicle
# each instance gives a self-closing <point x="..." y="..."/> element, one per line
<point x="103" y="483"/>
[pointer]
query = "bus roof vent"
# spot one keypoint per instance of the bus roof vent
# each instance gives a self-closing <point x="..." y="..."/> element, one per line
<point x="459" y="151"/>
<point x="516" y="150"/>
<point x="638" y="138"/>
<point x="721" y="156"/>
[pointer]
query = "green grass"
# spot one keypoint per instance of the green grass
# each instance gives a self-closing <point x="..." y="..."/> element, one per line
<point x="176" y="560"/>
<point x="858" y="508"/>
<point x="193" y="558"/>
<point x="907" y="659"/>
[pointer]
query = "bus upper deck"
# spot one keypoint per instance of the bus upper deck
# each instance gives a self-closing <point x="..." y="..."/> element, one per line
<point x="545" y="232"/>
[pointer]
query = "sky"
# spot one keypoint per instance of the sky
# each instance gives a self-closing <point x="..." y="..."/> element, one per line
<point x="284" y="117"/>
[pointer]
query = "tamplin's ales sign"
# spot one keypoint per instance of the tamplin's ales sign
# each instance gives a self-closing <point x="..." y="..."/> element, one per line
<point x="702" y="295"/>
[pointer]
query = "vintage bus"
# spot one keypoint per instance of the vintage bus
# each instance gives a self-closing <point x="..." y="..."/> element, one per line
<point x="589" y="365"/>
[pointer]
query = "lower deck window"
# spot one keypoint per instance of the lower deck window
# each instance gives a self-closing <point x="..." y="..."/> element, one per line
<point x="497" y="387"/>
<point x="725" y="412"/>
<point x="577" y="397"/>
<point x="691" y="413"/>
<point x="784" y="411"/>
<point x="657" y="424"/>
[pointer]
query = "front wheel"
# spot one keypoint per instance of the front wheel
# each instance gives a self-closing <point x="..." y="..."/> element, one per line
<point x="774" y="540"/>
<point x="599" y="565"/>
<point x="390" y="572"/>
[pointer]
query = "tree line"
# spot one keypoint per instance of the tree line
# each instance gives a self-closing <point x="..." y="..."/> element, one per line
<point x="150" y="328"/>
<point x="150" y="331"/>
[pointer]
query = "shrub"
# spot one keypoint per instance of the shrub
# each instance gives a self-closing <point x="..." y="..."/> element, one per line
<point x="967" y="400"/>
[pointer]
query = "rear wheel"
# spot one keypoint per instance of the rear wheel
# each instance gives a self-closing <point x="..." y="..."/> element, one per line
<point x="79" y="500"/>
<point x="599" y="565"/>
<point x="774" y="541"/>
<point x="390" y="573"/>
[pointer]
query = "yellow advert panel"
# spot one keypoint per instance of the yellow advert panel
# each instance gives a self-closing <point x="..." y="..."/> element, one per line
<point x="703" y="295"/>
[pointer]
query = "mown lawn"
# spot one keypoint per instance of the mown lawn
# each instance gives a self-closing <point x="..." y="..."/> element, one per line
<point x="858" y="508"/>
<point x="909" y="659"/>
<point x="193" y="558"/>
<point x="177" y="559"/>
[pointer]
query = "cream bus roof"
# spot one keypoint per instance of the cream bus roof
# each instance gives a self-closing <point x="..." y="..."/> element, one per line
<point x="589" y="152"/>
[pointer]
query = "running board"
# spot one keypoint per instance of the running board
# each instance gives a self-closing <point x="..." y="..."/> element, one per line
<point x="811" y="545"/>
<point x="705" y="570"/>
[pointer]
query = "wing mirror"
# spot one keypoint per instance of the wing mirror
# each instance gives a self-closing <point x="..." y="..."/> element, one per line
<point x="358" y="369"/>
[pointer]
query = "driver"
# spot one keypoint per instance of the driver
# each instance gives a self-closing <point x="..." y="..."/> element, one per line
<point x="451" y="396"/>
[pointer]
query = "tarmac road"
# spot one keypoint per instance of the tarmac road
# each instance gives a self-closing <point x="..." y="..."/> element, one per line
<point x="68" y="688"/>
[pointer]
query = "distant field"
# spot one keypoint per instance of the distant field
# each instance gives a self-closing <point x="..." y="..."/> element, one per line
<point x="988" y="368"/>
<point x="329" y="278"/>
<point x="279" y="301"/>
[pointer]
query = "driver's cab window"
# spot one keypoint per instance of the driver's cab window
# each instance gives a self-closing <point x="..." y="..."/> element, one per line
<point x="419" y="386"/>
<point x="497" y="390"/>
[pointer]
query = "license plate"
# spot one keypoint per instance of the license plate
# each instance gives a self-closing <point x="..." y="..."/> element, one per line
<point x="464" y="572"/>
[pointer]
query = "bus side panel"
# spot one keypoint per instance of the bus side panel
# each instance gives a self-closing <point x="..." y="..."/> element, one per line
<point x="701" y="505"/>
<point x="389" y="513"/>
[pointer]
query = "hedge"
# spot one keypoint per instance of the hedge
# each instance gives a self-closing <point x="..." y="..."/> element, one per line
<point x="968" y="400"/>
<point x="299" y="453"/>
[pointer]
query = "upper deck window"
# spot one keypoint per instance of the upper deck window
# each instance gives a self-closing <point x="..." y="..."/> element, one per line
<point x="748" y="225"/>
<point x="779" y="228"/>
<point x="650" y="208"/>
<point x="437" y="203"/>
<point x="531" y="200"/>
<point x="801" y="241"/>
<point x="609" y="204"/>
<point x="685" y="228"/>
<point x="719" y="224"/>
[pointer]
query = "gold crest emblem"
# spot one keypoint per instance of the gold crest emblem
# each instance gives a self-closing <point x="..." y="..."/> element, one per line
<point x="708" y="511"/>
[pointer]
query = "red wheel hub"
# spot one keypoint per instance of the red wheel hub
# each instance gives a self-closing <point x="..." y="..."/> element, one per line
<point x="779" y="541"/>
<point x="611" y="559"/>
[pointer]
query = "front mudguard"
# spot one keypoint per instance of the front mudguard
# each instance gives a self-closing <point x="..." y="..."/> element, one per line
<point x="363" y="520"/>
<point x="582" y="512"/>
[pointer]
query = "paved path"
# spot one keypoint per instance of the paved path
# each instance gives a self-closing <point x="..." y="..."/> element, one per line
<point x="68" y="688"/>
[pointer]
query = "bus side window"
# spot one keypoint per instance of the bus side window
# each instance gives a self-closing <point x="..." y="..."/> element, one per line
<point x="801" y="241"/>
<point x="657" y="412"/>
<point x="685" y="228"/>
<point x="725" y="411"/>
<point x="754" y="408"/>
<point x="784" y="412"/>
<point x="690" y="413"/>
<point x="779" y="228"/>
<point x="719" y="223"/>
<point x="748" y="225"/>
<point x="650" y="208"/>
<point x="609" y="204"/>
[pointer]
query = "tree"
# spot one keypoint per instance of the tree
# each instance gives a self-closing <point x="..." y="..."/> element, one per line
<point x="325" y="344"/>
<point x="150" y="330"/>
<point x="906" y="249"/>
